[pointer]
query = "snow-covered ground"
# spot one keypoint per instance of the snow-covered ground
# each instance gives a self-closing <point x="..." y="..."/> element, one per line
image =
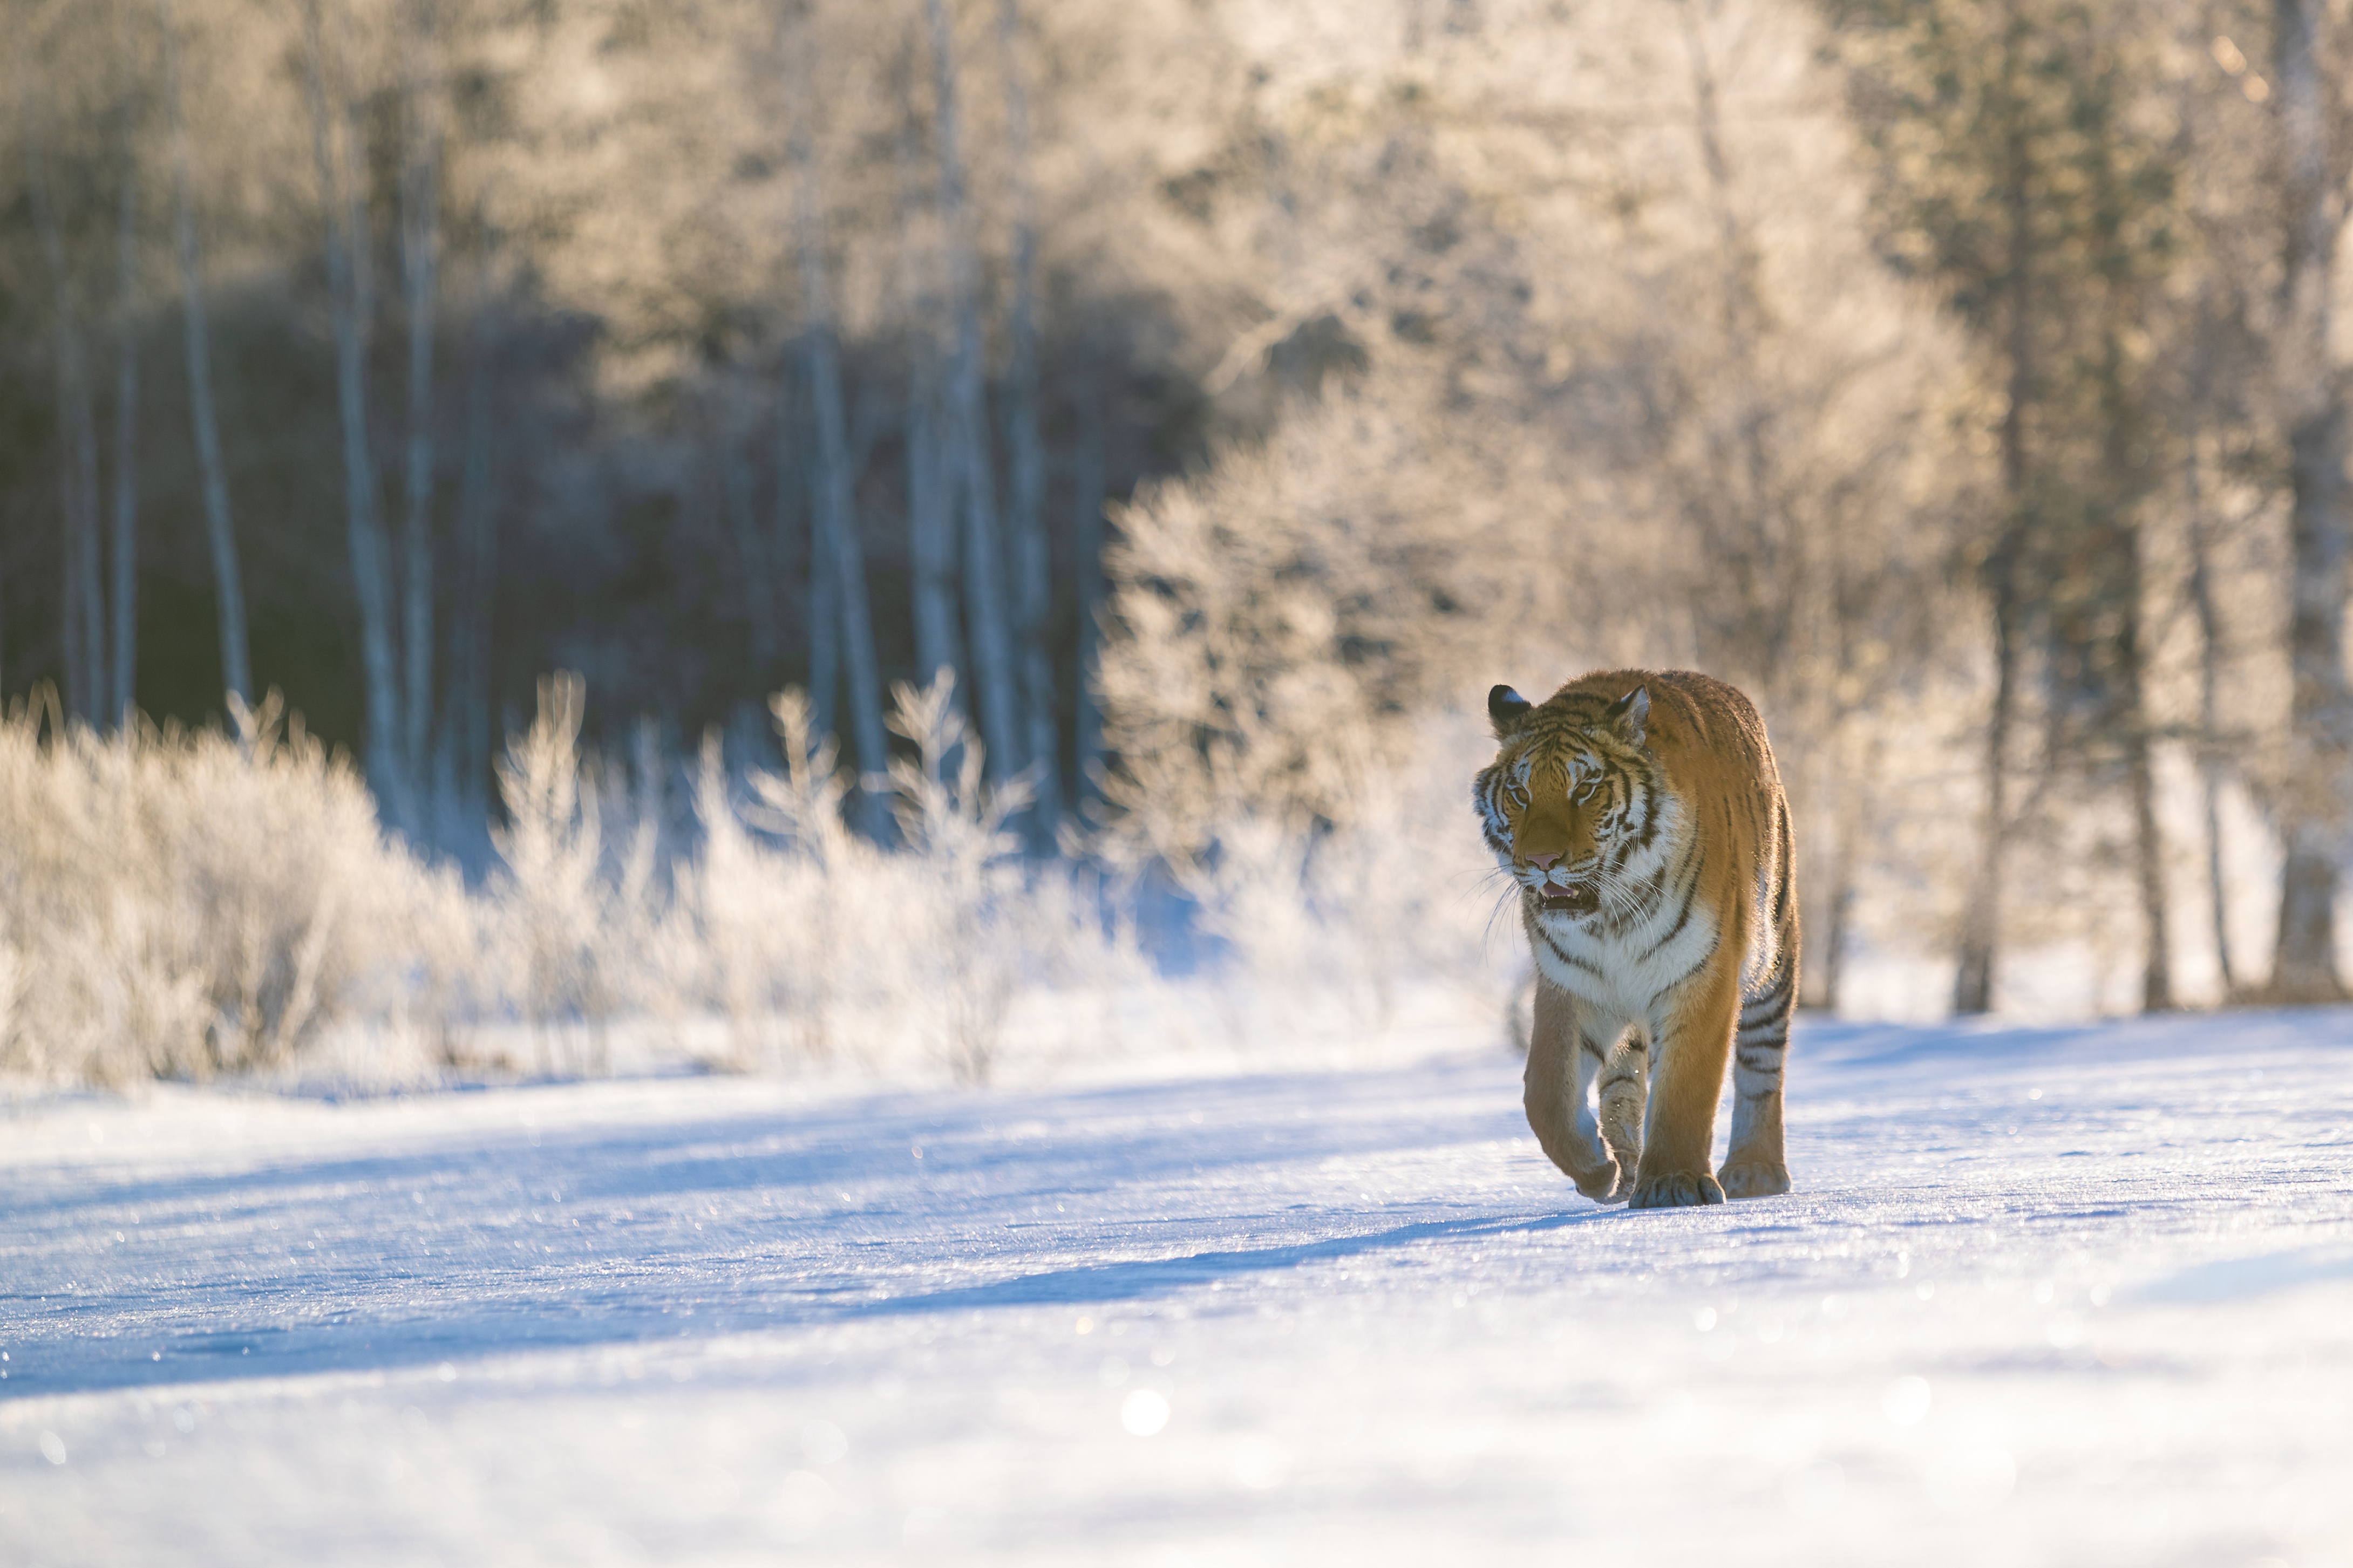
<point x="2078" y="1296"/>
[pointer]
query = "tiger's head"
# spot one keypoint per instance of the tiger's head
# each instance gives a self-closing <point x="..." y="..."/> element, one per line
<point x="1571" y="796"/>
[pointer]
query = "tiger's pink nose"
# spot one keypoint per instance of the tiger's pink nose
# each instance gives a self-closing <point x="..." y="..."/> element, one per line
<point x="1541" y="862"/>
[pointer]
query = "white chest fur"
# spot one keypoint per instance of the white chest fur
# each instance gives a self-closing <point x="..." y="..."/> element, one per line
<point x="1626" y="972"/>
<point x="1627" y="967"/>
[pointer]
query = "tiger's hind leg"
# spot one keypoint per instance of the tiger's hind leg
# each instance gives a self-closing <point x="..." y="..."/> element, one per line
<point x="1625" y="1088"/>
<point x="1756" y="1165"/>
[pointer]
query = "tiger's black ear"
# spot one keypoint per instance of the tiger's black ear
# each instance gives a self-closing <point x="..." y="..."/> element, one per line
<point x="1630" y="715"/>
<point x="1505" y="709"/>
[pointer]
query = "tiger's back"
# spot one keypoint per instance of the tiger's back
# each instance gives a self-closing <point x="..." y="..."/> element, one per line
<point x="1642" y="817"/>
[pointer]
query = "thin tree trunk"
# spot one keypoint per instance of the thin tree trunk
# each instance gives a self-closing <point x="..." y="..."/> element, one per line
<point x="229" y="582"/>
<point x="836" y="516"/>
<point x="478" y="523"/>
<point x="2210" y="743"/>
<point x="124" y="655"/>
<point x="2320" y="714"/>
<point x="2156" y="973"/>
<point x="1973" y="983"/>
<point x="91" y="568"/>
<point x="995" y="675"/>
<point x="349" y="300"/>
<point x="75" y="541"/>
<point x="799" y="481"/>
<point x="420" y="247"/>
<point x="930" y="535"/>
<point x="1033" y="567"/>
<point x="1981" y="922"/>
<point x="789" y="542"/>
<point x="1088" y="484"/>
<point x="2119" y="436"/>
<point x="2209" y="638"/>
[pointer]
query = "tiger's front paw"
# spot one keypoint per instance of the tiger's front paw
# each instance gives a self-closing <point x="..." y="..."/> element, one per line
<point x="1607" y="1184"/>
<point x="1674" y="1190"/>
<point x="1754" y="1179"/>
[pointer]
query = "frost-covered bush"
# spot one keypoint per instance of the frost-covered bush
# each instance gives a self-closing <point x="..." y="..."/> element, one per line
<point x="566" y="931"/>
<point x="184" y="905"/>
<point x="765" y="925"/>
<point x="814" y="943"/>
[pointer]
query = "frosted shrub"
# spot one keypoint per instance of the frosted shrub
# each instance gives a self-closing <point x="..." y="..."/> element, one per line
<point x="184" y="905"/>
<point x="814" y="945"/>
<point x="770" y="931"/>
<point x="566" y="931"/>
<point x="966" y="961"/>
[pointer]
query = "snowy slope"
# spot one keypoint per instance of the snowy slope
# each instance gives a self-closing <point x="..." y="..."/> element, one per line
<point x="2069" y="1296"/>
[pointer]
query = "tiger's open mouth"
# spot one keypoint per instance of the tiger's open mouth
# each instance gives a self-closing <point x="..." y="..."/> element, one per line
<point x="1582" y="900"/>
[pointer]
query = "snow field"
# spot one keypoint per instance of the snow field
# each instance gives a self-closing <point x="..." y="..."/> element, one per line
<point x="2067" y="1296"/>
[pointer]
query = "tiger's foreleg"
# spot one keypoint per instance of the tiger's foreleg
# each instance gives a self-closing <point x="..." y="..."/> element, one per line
<point x="1563" y="1059"/>
<point x="1689" y="1046"/>
<point x="1755" y="1166"/>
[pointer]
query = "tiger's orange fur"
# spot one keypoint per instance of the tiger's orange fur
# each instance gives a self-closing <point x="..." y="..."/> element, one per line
<point x="1642" y="817"/>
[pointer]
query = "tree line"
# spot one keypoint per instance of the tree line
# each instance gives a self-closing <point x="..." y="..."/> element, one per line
<point x="1953" y="373"/>
<point x="859" y="427"/>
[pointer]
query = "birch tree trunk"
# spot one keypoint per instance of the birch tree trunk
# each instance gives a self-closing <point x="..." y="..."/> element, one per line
<point x="1087" y="485"/>
<point x="835" y="519"/>
<point x="229" y="582"/>
<point x="994" y="672"/>
<point x="930" y="535"/>
<point x="468" y="710"/>
<point x="1032" y="564"/>
<point x="2320" y="717"/>
<point x="123" y="556"/>
<point x="349" y="299"/>
<point x="420" y="247"/>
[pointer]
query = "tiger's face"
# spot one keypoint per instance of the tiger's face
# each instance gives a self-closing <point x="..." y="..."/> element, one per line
<point x="1568" y="798"/>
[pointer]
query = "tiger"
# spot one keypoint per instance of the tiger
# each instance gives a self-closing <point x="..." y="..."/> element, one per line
<point x="1641" y="815"/>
